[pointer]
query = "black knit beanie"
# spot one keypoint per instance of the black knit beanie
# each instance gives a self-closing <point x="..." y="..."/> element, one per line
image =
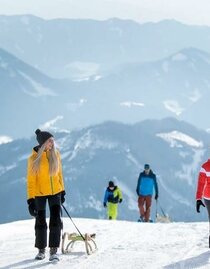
<point x="42" y="136"/>
<point x="111" y="184"/>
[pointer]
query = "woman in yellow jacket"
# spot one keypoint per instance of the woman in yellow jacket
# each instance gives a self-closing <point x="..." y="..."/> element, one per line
<point x="45" y="183"/>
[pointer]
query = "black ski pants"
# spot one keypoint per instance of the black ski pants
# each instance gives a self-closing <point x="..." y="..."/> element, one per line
<point x="55" y="223"/>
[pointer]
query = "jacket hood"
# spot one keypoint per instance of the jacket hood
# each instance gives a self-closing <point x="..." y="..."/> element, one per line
<point x="36" y="148"/>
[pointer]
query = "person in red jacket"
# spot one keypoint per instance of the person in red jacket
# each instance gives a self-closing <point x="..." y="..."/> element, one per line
<point x="203" y="189"/>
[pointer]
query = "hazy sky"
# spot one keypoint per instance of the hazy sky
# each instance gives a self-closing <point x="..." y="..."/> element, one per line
<point x="188" y="11"/>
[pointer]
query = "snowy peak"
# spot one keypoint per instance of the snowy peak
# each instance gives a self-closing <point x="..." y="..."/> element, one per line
<point x="191" y="54"/>
<point x="189" y="58"/>
<point x="5" y="139"/>
<point x="175" y="139"/>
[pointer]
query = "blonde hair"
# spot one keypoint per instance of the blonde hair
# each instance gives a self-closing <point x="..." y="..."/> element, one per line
<point x="52" y="159"/>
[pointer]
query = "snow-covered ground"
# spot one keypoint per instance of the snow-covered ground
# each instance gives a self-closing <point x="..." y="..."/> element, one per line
<point x="121" y="244"/>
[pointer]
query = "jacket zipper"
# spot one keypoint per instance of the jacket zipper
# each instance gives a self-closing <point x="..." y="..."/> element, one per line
<point x="51" y="185"/>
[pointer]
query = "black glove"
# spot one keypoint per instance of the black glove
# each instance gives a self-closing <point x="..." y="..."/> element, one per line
<point x="120" y="200"/>
<point x="156" y="196"/>
<point x="105" y="204"/>
<point x="63" y="193"/>
<point x="31" y="207"/>
<point x="198" y="204"/>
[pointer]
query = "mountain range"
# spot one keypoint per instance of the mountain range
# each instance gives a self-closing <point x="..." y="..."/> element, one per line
<point x="114" y="151"/>
<point x="175" y="86"/>
<point x="79" y="48"/>
<point x="78" y="73"/>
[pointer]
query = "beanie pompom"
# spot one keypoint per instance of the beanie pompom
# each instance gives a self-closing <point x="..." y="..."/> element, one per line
<point x="37" y="131"/>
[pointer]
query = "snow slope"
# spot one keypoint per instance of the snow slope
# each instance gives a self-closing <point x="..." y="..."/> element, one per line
<point x="121" y="244"/>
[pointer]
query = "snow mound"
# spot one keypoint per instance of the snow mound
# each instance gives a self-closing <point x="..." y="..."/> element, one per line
<point x="121" y="244"/>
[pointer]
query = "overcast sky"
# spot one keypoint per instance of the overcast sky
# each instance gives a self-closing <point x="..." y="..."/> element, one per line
<point x="187" y="11"/>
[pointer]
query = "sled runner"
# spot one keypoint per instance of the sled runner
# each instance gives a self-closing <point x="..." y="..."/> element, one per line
<point x="163" y="217"/>
<point x="69" y="239"/>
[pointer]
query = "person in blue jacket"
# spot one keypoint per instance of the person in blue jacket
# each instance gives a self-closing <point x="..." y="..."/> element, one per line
<point x="146" y="183"/>
<point x="112" y="197"/>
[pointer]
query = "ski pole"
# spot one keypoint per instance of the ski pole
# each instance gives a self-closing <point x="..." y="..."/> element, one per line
<point x="156" y="209"/>
<point x="73" y="222"/>
<point x="162" y="210"/>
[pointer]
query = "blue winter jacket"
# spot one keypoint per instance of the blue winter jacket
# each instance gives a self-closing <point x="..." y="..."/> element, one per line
<point x="146" y="184"/>
<point x="112" y="196"/>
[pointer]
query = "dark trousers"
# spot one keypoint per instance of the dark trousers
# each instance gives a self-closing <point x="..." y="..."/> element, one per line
<point x="207" y="204"/>
<point x="55" y="223"/>
<point x="144" y="204"/>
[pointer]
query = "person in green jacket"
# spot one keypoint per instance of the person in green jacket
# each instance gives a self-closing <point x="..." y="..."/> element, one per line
<point x="112" y="197"/>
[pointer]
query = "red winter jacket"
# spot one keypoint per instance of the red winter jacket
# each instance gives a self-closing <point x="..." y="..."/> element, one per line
<point x="203" y="188"/>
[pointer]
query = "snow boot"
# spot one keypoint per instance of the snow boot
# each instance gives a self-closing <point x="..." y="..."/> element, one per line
<point x="41" y="254"/>
<point x="141" y="219"/>
<point x="149" y="221"/>
<point x="53" y="255"/>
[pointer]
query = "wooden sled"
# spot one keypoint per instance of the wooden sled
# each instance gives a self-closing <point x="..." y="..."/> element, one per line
<point x="69" y="239"/>
<point x="163" y="219"/>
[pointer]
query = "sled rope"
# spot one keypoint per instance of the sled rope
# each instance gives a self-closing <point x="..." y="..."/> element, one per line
<point x="156" y="209"/>
<point x="73" y="222"/>
<point x="162" y="211"/>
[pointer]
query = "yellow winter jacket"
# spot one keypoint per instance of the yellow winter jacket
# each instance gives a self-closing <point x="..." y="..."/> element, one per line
<point x="41" y="183"/>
